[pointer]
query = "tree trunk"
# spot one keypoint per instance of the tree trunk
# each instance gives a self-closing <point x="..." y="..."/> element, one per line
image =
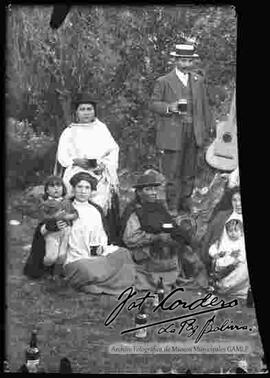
<point x="132" y="158"/>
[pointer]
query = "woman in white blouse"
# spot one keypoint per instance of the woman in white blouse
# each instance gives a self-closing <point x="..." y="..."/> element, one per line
<point x="88" y="146"/>
<point x="91" y="264"/>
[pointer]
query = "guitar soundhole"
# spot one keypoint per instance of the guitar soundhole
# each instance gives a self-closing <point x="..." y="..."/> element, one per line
<point x="227" y="138"/>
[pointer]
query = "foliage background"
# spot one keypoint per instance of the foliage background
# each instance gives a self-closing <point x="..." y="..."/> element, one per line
<point x="114" y="52"/>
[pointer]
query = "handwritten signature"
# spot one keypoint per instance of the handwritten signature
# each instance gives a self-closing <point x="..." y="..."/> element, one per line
<point x="209" y="326"/>
<point x="129" y="300"/>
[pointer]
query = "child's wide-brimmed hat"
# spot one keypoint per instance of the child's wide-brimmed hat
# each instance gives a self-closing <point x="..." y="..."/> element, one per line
<point x="147" y="179"/>
<point x="184" y="51"/>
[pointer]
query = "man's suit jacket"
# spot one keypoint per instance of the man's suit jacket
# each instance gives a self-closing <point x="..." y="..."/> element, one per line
<point x="168" y="89"/>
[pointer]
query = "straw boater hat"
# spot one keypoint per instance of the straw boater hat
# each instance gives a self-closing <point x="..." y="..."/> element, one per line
<point x="184" y="51"/>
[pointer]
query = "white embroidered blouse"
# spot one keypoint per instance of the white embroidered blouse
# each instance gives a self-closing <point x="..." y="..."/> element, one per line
<point x="85" y="232"/>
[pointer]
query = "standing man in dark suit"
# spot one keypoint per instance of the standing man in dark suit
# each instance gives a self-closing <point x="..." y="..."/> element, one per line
<point x="184" y="124"/>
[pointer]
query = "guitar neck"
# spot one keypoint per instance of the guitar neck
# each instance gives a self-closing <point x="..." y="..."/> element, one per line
<point x="232" y="114"/>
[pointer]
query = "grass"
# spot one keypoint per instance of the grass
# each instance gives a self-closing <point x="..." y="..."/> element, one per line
<point x="71" y="324"/>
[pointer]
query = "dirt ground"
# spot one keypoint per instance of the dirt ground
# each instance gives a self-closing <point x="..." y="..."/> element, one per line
<point x="71" y="324"/>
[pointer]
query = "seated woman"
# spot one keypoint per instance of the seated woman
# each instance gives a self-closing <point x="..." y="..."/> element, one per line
<point x="91" y="264"/>
<point x="223" y="250"/>
<point x="151" y="234"/>
<point x="88" y="146"/>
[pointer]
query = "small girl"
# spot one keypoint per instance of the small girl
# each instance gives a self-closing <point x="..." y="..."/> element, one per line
<point x="230" y="252"/>
<point x="55" y="207"/>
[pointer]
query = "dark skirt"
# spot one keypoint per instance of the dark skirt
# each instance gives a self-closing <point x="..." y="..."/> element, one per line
<point x="34" y="267"/>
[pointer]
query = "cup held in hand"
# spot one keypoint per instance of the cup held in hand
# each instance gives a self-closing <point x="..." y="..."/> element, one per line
<point x="92" y="163"/>
<point x="182" y="106"/>
<point x="167" y="227"/>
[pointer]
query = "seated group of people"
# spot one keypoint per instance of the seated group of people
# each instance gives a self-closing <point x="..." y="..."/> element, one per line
<point x="81" y="230"/>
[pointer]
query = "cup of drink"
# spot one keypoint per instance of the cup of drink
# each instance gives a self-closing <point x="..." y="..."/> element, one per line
<point x="182" y="106"/>
<point x="167" y="227"/>
<point x="92" y="163"/>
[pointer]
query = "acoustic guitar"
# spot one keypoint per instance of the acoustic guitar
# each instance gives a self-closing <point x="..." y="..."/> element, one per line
<point x="222" y="153"/>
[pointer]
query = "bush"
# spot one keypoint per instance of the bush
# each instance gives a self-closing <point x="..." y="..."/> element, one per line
<point x="30" y="157"/>
<point x="116" y="54"/>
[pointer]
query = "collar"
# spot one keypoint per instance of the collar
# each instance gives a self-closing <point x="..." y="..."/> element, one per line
<point x="56" y="199"/>
<point x="89" y="124"/>
<point x="78" y="203"/>
<point x="182" y="76"/>
<point x="181" y="73"/>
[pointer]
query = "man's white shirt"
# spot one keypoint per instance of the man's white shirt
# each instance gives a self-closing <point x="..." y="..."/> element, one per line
<point x="182" y="76"/>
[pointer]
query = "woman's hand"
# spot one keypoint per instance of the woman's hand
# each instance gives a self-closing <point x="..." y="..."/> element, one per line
<point x="61" y="224"/>
<point x="235" y="253"/>
<point x="99" y="169"/>
<point x="173" y="107"/>
<point x="83" y="163"/>
<point x="100" y="250"/>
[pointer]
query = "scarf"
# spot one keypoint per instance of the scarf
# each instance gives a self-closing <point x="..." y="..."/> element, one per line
<point x="105" y="146"/>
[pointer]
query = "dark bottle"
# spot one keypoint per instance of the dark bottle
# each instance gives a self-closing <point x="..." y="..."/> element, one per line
<point x="160" y="289"/>
<point x="65" y="366"/>
<point x="141" y="319"/>
<point x="250" y="302"/>
<point x="32" y="354"/>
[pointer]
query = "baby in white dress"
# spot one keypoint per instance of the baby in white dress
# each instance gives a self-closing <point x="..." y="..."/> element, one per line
<point x="229" y="252"/>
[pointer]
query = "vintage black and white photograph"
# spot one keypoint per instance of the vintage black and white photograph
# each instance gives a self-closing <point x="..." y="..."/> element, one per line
<point x="126" y="248"/>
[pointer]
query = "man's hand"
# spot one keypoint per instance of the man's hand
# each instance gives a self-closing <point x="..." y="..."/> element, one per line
<point x="173" y="107"/>
<point x="83" y="163"/>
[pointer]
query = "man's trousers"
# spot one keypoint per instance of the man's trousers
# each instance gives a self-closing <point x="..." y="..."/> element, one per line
<point x="179" y="168"/>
